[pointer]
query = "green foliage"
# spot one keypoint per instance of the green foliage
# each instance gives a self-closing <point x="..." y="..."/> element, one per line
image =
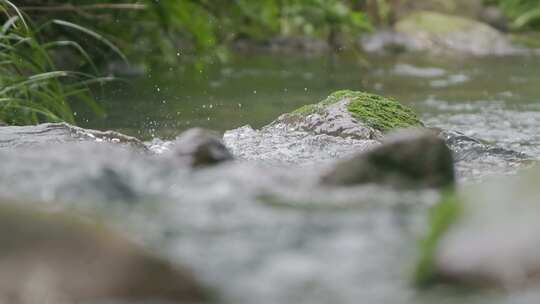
<point x="441" y="217"/>
<point x="32" y="87"/>
<point x="202" y="27"/>
<point x="524" y="14"/>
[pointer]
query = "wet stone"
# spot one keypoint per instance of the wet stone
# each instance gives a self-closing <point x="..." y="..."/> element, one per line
<point x="54" y="133"/>
<point x="344" y="123"/>
<point x="199" y="147"/>
<point x="407" y="159"/>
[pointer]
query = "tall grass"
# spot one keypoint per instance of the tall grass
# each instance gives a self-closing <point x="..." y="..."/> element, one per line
<point x="32" y="87"/>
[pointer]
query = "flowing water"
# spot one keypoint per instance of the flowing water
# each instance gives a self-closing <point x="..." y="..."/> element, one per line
<point x="261" y="231"/>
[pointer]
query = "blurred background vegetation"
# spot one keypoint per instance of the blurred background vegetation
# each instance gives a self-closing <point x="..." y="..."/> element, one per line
<point x="54" y="52"/>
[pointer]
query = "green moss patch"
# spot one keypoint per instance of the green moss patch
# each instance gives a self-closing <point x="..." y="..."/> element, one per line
<point x="378" y="112"/>
<point x="381" y="113"/>
<point x="442" y="217"/>
<point x="307" y="109"/>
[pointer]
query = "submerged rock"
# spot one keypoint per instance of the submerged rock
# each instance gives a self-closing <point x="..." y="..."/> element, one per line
<point x="200" y="147"/>
<point x="476" y="159"/>
<point x="407" y="158"/>
<point x="61" y="258"/>
<point x="440" y="33"/>
<point x="50" y="133"/>
<point x="487" y="236"/>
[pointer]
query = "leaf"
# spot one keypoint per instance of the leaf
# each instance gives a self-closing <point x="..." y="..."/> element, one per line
<point x="92" y="34"/>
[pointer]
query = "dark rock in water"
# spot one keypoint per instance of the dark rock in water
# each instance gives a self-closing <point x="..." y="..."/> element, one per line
<point x="50" y="133"/>
<point x="488" y="235"/>
<point x="200" y="147"/>
<point x="495" y="17"/>
<point x="67" y="259"/>
<point x="387" y="41"/>
<point x="3" y="124"/>
<point x="406" y="159"/>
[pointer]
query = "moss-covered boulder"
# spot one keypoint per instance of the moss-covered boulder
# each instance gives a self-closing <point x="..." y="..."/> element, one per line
<point x="488" y="235"/>
<point x="437" y="23"/>
<point x="440" y="33"/>
<point x="66" y="258"/>
<point x="353" y="114"/>
<point x="412" y="158"/>
<point x="344" y="123"/>
<point x="436" y="32"/>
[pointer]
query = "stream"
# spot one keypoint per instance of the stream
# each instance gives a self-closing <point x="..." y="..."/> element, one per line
<point x="261" y="230"/>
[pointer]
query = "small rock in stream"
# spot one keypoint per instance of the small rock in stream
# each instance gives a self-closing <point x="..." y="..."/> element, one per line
<point x="200" y="147"/>
<point x="408" y="158"/>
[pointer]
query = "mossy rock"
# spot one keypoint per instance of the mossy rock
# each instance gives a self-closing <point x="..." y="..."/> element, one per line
<point x="442" y="216"/>
<point x="378" y="112"/>
<point x="437" y="23"/>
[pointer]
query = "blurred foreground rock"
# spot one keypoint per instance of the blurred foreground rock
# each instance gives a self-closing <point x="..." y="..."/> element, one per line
<point x="408" y="158"/>
<point x="486" y="236"/>
<point x="60" y="258"/>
